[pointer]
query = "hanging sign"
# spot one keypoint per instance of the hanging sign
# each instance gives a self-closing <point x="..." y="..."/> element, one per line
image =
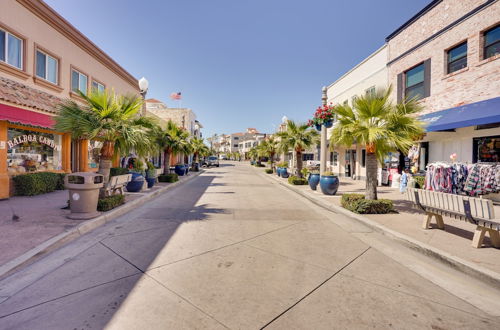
<point x="32" y="138"/>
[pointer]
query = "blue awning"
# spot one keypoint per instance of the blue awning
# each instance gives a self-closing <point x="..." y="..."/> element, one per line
<point x="479" y="113"/>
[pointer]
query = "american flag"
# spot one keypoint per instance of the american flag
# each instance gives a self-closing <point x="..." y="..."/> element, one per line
<point x="176" y="96"/>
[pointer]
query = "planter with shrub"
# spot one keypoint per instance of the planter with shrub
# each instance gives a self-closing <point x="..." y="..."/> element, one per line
<point x="115" y="171"/>
<point x="38" y="183"/>
<point x="150" y="174"/>
<point x="419" y="182"/>
<point x="358" y="204"/>
<point x="295" y="180"/>
<point x="172" y="177"/>
<point x="329" y="183"/>
<point x="109" y="203"/>
<point x="269" y="170"/>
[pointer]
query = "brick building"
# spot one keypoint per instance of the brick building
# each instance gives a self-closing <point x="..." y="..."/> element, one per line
<point x="448" y="56"/>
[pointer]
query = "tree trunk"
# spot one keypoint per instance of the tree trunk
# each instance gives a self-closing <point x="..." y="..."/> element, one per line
<point x="166" y="163"/>
<point x="104" y="169"/>
<point x="272" y="161"/>
<point x="299" y="163"/>
<point x="371" y="176"/>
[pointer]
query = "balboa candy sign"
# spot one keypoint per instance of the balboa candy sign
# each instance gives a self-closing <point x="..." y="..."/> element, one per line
<point x="33" y="138"/>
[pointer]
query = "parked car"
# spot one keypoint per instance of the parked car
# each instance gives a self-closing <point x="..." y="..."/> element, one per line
<point x="212" y="161"/>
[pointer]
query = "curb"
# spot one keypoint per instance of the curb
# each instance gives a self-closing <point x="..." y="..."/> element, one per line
<point x="83" y="228"/>
<point x="464" y="266"/>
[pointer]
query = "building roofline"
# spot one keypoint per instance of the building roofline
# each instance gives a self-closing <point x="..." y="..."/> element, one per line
<point x="359" y="64"/>
<point x="59" y="23"/>
<point x="409" y="22"/>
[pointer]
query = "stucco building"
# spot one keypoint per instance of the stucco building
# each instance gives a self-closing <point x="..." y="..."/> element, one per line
<point x="44" y="60"/>
<point x="448" y="56"/>
<point x="365" y="78"/>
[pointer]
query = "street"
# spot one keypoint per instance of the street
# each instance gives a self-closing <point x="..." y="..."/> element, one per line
<point x="229" y="249"/>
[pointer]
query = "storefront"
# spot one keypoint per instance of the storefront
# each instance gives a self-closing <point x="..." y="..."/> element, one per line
<point x="29" y="144"/>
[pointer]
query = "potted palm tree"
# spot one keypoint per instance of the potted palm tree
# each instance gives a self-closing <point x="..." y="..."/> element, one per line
<point x="199" y="148"/>
<point x="380" y="126"/>
<point x="111" y="119"/>
<point x="138" y="176"/>
<point x="269" y="148"/>
<point x="297" y="137"/>
<point x="150" y="174"/>
<point x="172" y="140"/>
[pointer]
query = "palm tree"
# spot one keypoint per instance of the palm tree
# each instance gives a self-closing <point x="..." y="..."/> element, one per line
<point x="269" y="147"/>
<point x="297" y="137"/>
<point x="253" y="153"/>
<point x="111" y="119"/>
<point x="198" y="148"/>
<point x="172" y="140"/>
<point x="380" y="127"/>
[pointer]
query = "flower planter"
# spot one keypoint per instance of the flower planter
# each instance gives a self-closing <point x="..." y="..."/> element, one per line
<point x="313" y="181"/>
<point x="180" y="170"/>
<point x="328" y="123"/>
<point x="329" y="184"/>
<point x="318" y="127"/>
<point x="135" y="185"/>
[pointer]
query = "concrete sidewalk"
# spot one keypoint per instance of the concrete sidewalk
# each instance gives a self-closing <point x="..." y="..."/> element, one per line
<point x="454" y="241"/>
<point x="26" y="222"/>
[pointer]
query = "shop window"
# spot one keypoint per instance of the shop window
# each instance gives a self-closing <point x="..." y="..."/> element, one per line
<point x="334" y="158"/>
<point x="94" y="153"/>
<point x="457" y="57"/>
<point x="11" y="49"/>
<point x="30" y="151"/>
<point x="492" y="42"/>
<point x="97" y="87"/>
<point x="78" y="82"/>
<point x="488" y="126"/>
<point x="307" y="157"/>
<point x="486" y="149"/>
<point x="46" y="67"/>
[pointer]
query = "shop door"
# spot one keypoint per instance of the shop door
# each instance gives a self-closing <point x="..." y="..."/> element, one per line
<point x="350" y="163"/>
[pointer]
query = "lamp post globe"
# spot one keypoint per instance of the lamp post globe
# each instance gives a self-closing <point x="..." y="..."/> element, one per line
<point x="143" y="87"/>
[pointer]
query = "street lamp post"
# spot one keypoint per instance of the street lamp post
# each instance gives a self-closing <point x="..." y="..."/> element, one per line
<point x="322" y="157"/>
<point x="143" y="87"/>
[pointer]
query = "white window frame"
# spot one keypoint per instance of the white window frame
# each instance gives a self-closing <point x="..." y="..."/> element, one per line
<point x="98" y="84"/>
<point x="79" y="77"/>
<point x="47" y="67"/>
<point x="6" y="47"/>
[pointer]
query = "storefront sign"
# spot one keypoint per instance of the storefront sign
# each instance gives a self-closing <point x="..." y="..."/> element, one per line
<point x="32" y="138"/>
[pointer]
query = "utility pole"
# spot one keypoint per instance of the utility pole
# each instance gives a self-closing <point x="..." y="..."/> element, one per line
<point x="322" y="156"/>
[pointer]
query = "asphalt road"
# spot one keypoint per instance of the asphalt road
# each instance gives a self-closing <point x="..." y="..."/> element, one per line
<point x="229" y="249"/>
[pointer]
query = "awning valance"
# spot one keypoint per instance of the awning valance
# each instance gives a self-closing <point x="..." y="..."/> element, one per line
<point x="26" y="117"/>
<point x="479" y="113"/>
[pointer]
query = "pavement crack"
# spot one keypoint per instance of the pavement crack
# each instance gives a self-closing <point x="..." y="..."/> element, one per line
<point x="67" y="295"/>
<point x="316" y="288"/>
<point x="123" y="258"/>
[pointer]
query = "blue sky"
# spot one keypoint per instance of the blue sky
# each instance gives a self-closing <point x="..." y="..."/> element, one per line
<point x="239" y="63"/>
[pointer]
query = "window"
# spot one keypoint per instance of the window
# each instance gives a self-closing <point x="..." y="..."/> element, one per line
<point x="306" y="157"/>
<point x="492" y="42"/>
<point x="78" y="82"/>
<point x="414" y="82"/>
<point x="11" y="49"/>
<point x="370" y="91"/>
<point x="97" y="87"/>
<point x="46" y="67"/>
<point x="457" y="57"/>
<point x="236" y="138"/>
<point x="334" y="156"/>
<point x="486" y="149"/>
<point x="235" y="145"/>
<point x="363" y="158"/>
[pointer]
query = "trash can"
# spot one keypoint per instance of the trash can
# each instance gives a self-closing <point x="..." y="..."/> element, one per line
<point x="83" y="190"/>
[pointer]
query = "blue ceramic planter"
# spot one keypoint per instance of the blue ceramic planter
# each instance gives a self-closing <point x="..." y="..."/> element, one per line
<point x="180" y="170"/>
<point x="318" y="127"/>
<point x="329" y="184"/>
<point x="284" y="173"/>
<point x="278" y="171"/>
<point x="151" y="182"/>
<point x="136" y="183"/>
<point x="328" y="124"/>
<point x="313" y="181"/>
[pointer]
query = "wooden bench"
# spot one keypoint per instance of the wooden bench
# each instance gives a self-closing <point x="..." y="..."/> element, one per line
<point x="117" y="183"/>
<point x="477" y="211"/>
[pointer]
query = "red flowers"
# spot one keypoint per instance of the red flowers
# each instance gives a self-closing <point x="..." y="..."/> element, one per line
<point x="322" y="114"/>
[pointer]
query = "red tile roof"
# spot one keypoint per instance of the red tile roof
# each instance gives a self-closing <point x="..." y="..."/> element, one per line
<point x="17" y="93"/>
<point x="153" y="101"/>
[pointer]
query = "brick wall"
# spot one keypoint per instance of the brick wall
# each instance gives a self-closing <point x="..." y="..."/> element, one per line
<point x="479" y="81"/>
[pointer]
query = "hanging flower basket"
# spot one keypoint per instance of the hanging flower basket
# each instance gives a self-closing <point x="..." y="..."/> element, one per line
<point x="323" y="116"/>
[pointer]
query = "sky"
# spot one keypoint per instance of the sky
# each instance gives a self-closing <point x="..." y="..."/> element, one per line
<point x="239" y="63"/>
